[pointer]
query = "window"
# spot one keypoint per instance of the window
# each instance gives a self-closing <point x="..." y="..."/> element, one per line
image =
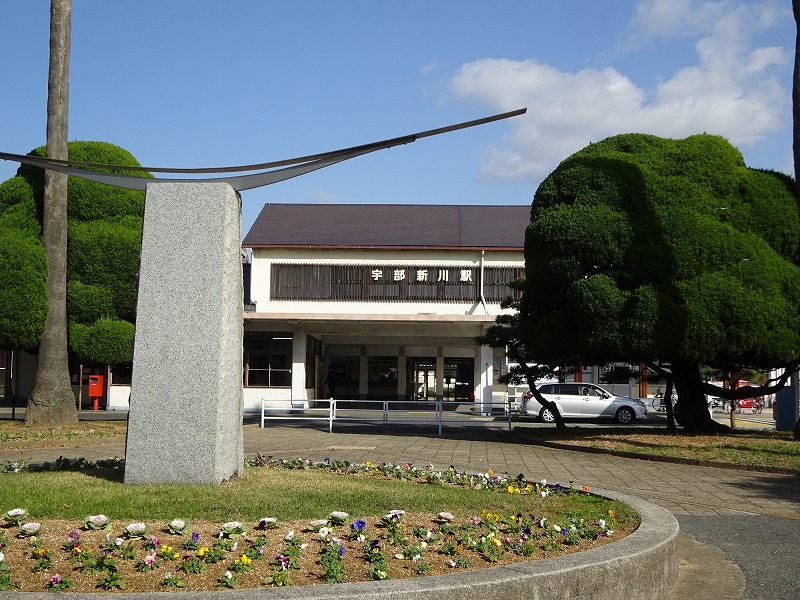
<point x="268" y="360"/>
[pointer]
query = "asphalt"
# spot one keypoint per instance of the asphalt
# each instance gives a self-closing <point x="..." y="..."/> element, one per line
<point x="739" y="529"/>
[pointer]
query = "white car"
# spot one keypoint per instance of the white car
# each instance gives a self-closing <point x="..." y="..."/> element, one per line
<point x="583" y="401"/>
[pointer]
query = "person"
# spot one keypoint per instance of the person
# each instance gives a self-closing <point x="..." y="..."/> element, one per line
<point x="331" y="380"/>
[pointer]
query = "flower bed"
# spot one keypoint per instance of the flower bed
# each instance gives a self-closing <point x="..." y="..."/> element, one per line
<point x="101" y="554"/>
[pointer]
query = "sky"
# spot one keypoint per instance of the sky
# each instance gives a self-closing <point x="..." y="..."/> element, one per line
<point x="203" y="83"/>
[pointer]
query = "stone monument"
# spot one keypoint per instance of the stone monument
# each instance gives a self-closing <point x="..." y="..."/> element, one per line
<point x="185" y="420"/>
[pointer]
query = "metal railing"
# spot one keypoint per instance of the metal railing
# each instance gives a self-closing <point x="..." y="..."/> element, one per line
<point x="385" y="412"/>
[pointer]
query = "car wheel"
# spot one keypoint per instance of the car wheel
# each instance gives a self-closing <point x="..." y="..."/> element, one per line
<point x="625" y="415"/>
<point x="546" y="416"/>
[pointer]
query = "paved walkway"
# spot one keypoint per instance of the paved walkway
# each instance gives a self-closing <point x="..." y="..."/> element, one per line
<point x="740" y="528"/>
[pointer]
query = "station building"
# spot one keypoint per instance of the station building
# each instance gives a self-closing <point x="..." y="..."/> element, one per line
<point x="385" y="300"/>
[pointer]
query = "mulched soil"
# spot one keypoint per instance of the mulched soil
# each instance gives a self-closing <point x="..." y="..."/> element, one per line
<point x="23" y="554"/>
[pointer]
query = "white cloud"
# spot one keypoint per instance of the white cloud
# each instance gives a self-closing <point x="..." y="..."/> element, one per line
<point x="320" y="196"/>
<point x="732" y="90"/>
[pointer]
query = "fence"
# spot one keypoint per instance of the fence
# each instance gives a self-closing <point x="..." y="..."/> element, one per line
<point x="386" y="412"/>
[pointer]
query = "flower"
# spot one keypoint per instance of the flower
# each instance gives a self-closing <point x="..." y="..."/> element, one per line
<point x="358" y="525"/>
<point x="136" y="531"/>
<point x="98" y="522"/>
<point x="338" y="517"/>
<point x="178" y="526"/>
<point x="232" y="529"/>
<point x="446" y="516"/>
<point x="16" y="515"/>
<point x="2" y="557"/>
<point x="29" y="529"/>
<point x="393" y="516"/>
<point x="324" y="533"/>
<point x="268" y="523"/>
<point x="316" y="524"/>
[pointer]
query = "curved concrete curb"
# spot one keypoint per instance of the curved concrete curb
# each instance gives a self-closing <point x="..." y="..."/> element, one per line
<point x="641" y="566"/>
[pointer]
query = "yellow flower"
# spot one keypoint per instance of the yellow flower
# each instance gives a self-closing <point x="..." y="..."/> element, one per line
<point x="202" y="551"/>
<point x="176" y="554"/>
<point x="489" y="472"/>
<point x="497" y="542"/>
<point x="245" y="560"/>
<point x="368" y="463"/>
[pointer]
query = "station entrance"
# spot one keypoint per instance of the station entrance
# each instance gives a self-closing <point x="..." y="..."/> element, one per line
<point x="458" y="382"/>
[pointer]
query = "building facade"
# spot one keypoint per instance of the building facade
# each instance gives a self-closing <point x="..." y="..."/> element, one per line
<point x="376" y="301"/>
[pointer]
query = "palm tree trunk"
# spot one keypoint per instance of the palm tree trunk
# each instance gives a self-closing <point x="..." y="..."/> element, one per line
<point x="52" y="401"/>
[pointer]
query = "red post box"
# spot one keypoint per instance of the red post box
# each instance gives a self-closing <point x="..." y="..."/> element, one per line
<point x="95" y="389"/>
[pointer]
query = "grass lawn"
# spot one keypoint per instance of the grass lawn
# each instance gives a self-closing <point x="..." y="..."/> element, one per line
<point x="766" y="449"/>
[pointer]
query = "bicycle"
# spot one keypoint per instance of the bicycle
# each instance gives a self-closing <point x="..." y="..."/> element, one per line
<point x="758" y="407"/>
<point x="658" y="402"/>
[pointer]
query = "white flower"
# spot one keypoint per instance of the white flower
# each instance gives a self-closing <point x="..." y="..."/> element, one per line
<point x="228" y="574"/>
<point x="544" y="481"/>
<point x="543" y="522"/>
<point x="303" y="546"/>
<point x="361" y="539"/>
<point x="324" y="533"/>
<point x="556" y="528"/>
<point x="338" y="517"/>
<point x="290" y="536"/>
<point x="17" y="512"/>
<point x="416" y="558"/>
<point x="423" y="545"/>
<point x="177" y="523"/>
<point x="610" y="532"/>
<point x="601" y="523"/>
<point x="28" y="529"/>
<point x="268" y="522"/>
<point x="316" y="524"/>
<point x="119" y="541"/>
<point x="234" y="546"/>
<point x="2" y="557"/>
<point x="543" y="493"/>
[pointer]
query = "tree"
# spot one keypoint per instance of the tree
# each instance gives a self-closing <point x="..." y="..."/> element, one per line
<point x="505" y="334"/>
<point x="52" y="401"/>
<point x="668" y="252"/>
<point x="104" y="234"/>
<point x="796" y="125"/>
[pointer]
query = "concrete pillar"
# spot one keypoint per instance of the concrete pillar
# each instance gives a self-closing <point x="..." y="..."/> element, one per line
<point x="363" y="375"/>
<point x="185" y="419"/>
<point x="439" y="374"/>
<point x="299" y="341"/>
<point x="402" y="374"/>
<point x="483" y="391"/>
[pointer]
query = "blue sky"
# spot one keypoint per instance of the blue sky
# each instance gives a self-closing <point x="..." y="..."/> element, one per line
<point x="198" y="83"/>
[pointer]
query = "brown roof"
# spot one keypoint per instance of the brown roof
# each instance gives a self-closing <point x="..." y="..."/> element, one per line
<point x="389" y="226"/>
